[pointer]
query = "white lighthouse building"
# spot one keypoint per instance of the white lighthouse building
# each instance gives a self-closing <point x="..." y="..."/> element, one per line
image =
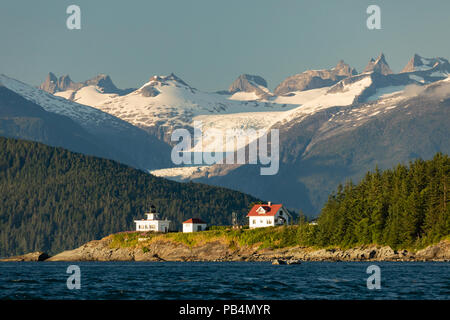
<point x="152" y="223"/>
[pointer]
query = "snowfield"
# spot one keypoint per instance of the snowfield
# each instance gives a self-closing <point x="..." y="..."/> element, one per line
<point x="180" y="173"/>
<point x="167" y="101"/>
<point x="172" y="103"/>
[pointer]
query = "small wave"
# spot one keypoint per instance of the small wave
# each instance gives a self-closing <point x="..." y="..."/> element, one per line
<point x="23" y="281"/>
<point x="336" y="280"/>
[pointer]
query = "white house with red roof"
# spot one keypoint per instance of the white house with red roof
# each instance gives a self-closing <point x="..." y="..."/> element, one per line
<point x="152" y="223"/>
<point x="268" y="215"/>
<point x="194" y="225"/>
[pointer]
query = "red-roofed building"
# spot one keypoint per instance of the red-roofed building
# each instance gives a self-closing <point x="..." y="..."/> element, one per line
<point x="194" y="225"/>
<point x="268" y="215"/>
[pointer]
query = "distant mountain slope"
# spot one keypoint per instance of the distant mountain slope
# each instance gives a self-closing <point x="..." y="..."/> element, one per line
<point x="115" y="138"/>
<point x="52" y="199"/>
<point x="20" y="118"/>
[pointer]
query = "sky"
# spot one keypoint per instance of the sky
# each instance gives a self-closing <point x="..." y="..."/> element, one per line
<point x="209" y="43"/>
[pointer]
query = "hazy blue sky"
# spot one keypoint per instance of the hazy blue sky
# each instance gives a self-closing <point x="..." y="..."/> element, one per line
<point x="209" y="43"/>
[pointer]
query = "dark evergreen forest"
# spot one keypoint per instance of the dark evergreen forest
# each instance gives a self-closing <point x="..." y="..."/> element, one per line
<point x="406" y="206"/>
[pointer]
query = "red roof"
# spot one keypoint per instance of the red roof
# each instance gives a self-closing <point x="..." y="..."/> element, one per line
<point x="270" y="210"/>
<point x="195" y="220"/>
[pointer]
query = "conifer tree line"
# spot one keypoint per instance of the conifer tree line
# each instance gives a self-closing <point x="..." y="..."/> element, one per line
<point x="407" y="206"/>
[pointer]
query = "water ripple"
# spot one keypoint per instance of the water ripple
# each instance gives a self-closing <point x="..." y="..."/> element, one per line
<point x="225" y="280"/>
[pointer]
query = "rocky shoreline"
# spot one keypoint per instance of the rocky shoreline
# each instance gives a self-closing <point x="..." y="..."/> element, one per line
<point x="166" y="250"/>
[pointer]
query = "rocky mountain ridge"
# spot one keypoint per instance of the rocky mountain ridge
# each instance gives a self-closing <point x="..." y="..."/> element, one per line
<point x="102" y="82"/>
<point x="313" y="79"/>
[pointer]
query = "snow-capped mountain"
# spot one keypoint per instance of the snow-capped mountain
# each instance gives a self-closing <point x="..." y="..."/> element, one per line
<point x="165" y="103"/>
<point x="125" y="142"/>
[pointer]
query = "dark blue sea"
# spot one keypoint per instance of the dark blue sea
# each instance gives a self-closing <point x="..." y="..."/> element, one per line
<point x="224" y="280"/>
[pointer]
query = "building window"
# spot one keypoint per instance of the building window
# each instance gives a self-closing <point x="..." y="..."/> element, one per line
<point x="254" y="221"/>
<point x="268" y="221"/>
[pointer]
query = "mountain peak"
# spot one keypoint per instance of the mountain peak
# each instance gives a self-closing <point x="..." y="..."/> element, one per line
<point x="251" y="84"/>
<point x="164" y="80"/>
<point x="247" y="83"/>
<point x="378" y="65"/>
<point x="103" y="82"/>
<point x="50" y="84"/>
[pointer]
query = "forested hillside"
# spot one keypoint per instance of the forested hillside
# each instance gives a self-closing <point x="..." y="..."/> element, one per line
<point x="52" y="199"/>
<point x="402" y="207"/>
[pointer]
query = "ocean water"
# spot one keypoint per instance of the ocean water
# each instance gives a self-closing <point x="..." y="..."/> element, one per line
<point x="224" y="280"/>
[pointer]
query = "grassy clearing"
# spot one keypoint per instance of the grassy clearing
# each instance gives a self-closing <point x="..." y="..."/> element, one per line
<point x="270" y="237"/>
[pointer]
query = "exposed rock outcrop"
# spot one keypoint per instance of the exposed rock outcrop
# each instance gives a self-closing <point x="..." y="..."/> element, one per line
<point x="250" y="83"/>
<point x="313" y="79"/>
<point x="33" y="256"/>
<point x="52" y="84"/>
<point x="439" y="251"/>
<point x="217" y="250"/>
<point x="102" y="81"/>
